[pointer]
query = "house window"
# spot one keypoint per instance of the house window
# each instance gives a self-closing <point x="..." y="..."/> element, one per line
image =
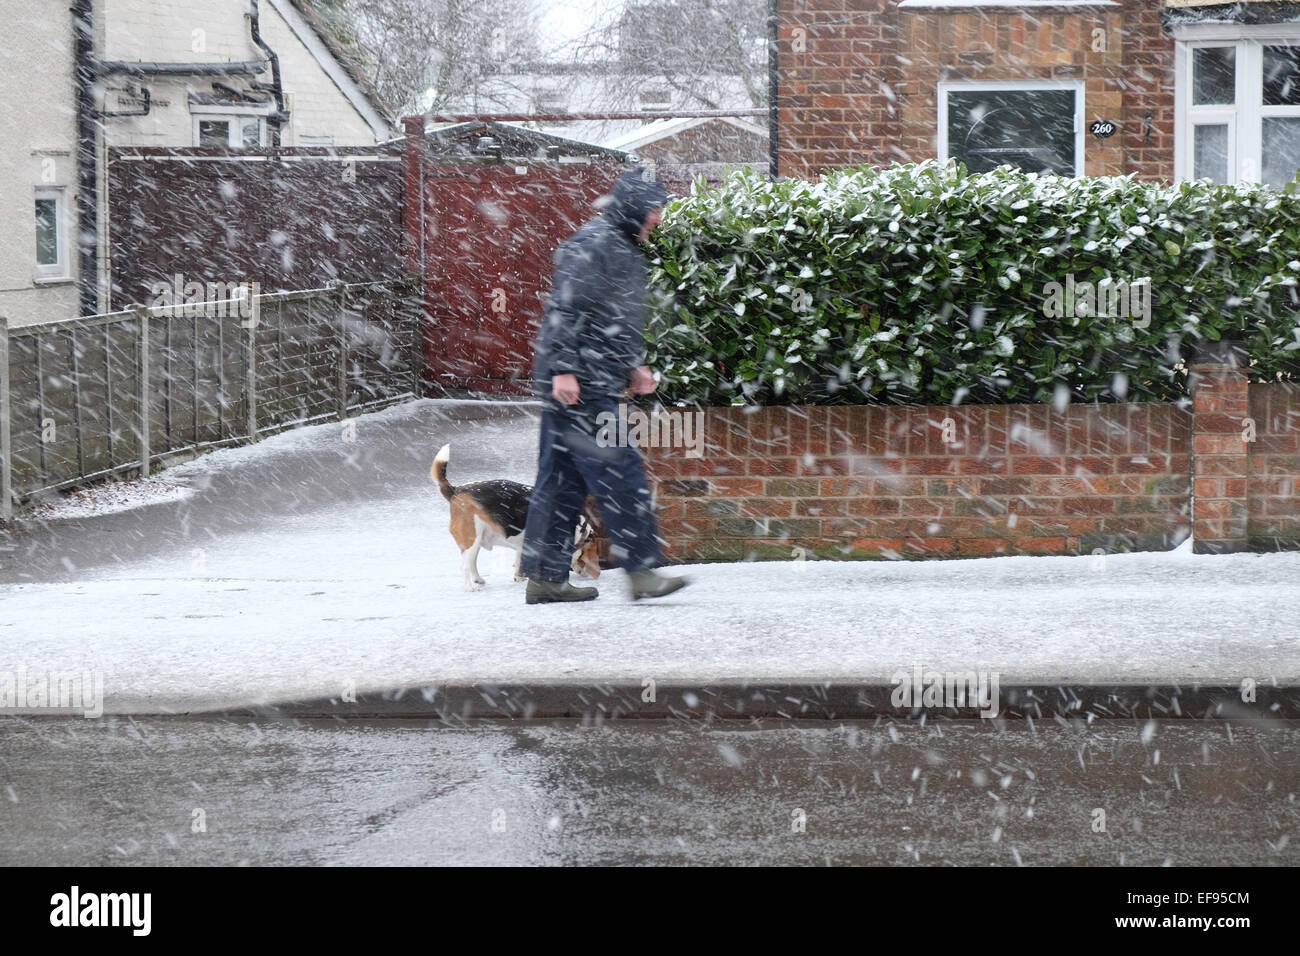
<point x="1280" y="114"/>
<point x="235" y="132"/>
<point x="1212" y="151"/>
<point x="551" y="101"/>
<point x="1033" y="126"/>
<point x="51" y="235"/>
<point x="1238" y="104"/>
<point x="1214" y="76"/>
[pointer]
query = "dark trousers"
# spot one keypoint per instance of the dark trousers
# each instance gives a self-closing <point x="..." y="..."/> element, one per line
<point x="572" y="464"/>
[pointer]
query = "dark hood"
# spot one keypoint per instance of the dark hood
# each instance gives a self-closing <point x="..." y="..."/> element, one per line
<point x="635" y="193"/>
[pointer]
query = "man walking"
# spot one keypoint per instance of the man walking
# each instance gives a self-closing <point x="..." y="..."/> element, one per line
<point x="590" y="347"/>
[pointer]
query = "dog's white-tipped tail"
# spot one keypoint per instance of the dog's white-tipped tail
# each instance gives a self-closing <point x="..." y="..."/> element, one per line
<point x="439" y="471"/>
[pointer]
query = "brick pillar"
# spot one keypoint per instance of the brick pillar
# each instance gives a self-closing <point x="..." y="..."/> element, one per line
<point x="1219" y="387"/>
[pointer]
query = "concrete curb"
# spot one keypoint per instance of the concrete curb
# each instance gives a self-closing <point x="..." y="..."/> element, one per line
<point x="456" y="703"/>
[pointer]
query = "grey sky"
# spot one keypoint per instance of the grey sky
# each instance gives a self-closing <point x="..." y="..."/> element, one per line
<point x="563" y="21"/>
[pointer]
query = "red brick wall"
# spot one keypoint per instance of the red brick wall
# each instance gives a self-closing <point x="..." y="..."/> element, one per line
<point x="1274" y="467"/>
<point x="911" y="481"/>
<point x="1220" y="463"/>
<point x="863" y="87"/>
<point x="1148" y="87"/>
<point x="838" y="66"/>
<point x="880" y="481"/>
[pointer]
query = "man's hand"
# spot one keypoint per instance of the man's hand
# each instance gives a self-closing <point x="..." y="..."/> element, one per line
<point x="564" y="389"/>
<point x="643" y="380"/>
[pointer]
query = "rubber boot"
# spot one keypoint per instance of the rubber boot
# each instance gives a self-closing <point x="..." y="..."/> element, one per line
<point x="552" y="592"/>
<point x="650" y="584"/>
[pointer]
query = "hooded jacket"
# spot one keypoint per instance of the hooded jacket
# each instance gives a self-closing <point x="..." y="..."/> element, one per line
<point x="592" y="326"/>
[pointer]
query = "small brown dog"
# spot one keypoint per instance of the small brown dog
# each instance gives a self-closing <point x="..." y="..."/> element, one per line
<point x="487" y="513"/>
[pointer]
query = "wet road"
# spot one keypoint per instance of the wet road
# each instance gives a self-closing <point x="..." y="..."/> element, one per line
<point x="204" y="792"/>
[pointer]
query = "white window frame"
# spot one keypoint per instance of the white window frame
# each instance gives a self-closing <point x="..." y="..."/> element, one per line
<point x="232" y="115"/>
<point x="654" y="99"/>
<point x="975" y="86"/>
<point x="551" y="101"/>
<point x="1212" y="116"/>
<point x="59" y="270"/>
<point x="1245" y="117"/>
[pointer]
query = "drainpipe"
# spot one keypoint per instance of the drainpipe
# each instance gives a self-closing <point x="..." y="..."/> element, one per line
<point x="83" y="40"/>
<point x="276" y="121"/>
<point x="773" y="79"/>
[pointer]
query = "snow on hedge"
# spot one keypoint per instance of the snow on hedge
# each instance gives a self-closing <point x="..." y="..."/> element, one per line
<point x="929" y="284"/>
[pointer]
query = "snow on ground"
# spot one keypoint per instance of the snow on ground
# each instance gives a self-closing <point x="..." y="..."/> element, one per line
<point x="307" y="562"/>
<point x="109" y="498"/>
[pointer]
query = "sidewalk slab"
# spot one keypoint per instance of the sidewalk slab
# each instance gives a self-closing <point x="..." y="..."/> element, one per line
<point x="306" y="564"/>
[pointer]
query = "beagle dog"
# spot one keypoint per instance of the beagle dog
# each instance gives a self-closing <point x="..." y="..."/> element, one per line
<point x="487" y="513"/>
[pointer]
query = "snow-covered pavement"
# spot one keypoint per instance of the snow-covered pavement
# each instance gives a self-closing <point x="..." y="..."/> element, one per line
<point x="306" y="563"/>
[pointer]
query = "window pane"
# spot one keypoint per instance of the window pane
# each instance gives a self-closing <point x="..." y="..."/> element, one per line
<point x="214" y="133"/>
<point x="47" y="232"/>
<point x="250" y="131"/>
<point x="1030" y="129"/>
<point x="1281" y="150"/>
<point x="1281" y="76"/>
<point x="1211" y="159"/>
<point x="1214" y="75"/>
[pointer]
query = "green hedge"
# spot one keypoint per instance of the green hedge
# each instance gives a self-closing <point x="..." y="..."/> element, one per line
<point x="928" y="284"/>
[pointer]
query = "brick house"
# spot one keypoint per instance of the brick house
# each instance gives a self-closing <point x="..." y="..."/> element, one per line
<point x="684" y="148"/>
<point x="697" y="140"/>
<point x="1178" y="89"/>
